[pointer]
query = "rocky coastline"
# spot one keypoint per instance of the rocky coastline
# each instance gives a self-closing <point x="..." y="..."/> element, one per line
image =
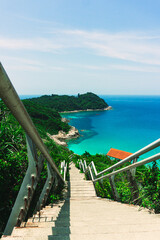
<point x="88" y="110"/>
<point x="61" y="137"/>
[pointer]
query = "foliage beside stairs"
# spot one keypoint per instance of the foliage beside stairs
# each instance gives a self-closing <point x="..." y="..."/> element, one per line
<point x="84" y="216"/>
<point x="14" y="162"/>
<point x="147" y="179"/>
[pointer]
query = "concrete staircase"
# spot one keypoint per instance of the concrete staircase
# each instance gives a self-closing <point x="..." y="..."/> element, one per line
<point x="83" y="216"/>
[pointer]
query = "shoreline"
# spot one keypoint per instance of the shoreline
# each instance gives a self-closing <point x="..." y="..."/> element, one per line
<point x="61" y="137"/>
<point x="73" y="133"/>
<point x="88" y="110"/>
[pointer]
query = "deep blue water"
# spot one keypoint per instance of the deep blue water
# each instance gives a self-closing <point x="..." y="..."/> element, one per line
<point x="133" y="123"/>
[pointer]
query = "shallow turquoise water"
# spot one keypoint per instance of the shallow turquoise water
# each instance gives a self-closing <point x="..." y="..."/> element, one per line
<point x="133" y="123"/>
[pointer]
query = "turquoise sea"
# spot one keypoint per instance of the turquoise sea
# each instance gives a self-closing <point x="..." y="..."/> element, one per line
<point x="28" y="96"/>
<point x="133" y="123"/>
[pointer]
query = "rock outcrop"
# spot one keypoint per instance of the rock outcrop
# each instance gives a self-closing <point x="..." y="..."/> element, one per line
<point x="61" y="137"/>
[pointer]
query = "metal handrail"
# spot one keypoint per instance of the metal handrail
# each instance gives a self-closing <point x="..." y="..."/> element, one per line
<point x="21" y="206"/>
<point x="64" y="169"/>
<point x="135" y="155"/>
<point x="10" y="97"/>
<point x="134" y="165"/>
<point x="146" y="149"/>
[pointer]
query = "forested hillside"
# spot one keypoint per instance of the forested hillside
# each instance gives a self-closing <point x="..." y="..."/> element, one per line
<point x="13" y="153"/>
<point x="69" y="103"/>
<point x="45" y="118"/>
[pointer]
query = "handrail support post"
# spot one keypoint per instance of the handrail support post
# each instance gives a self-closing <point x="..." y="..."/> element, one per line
<point x="20" y="209"/>
<point x="46" y="189"/>
<point x="133" y="170"/>
<point x="113" y="188"/>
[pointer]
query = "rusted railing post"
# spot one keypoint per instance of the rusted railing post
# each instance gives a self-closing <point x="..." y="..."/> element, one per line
<point x="10" y="97"/>
<point x="27" y="189"/>
<point x="133" y="170"/>
<point x="46" y="189"/>
<point x="113" y="188"/>
<point x="133" y="184"/>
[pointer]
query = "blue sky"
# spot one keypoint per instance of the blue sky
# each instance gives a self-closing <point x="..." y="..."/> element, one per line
<point x="75" y="46"/>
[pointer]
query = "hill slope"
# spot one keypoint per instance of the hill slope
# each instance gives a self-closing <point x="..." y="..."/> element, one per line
<point x="70" y="103"/>
<point x="45" y="118"/>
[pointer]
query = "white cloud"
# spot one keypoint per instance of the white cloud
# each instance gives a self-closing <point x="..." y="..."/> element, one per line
<point x="15" y="63"/>
<point x="35" y="44"/>
<point x="122" y="67"/>
<point x="23" y="64"/>
<point x="134" y="47"/>
<point x="149" y="69"/>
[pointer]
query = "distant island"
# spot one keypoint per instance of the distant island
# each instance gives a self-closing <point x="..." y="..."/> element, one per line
<point x="45" y="113"/>
<point x="61" y="103"/>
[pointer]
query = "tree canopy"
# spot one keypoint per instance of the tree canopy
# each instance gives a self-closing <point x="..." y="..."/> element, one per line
<point x="69" y="103"/>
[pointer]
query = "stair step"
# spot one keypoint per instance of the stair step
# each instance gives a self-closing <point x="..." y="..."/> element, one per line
<point x="83" y="216"/>
<point x="131" y="236"/>
<point x="26" y="237"/>
<point x="32" y="231"/>
<point x="44" y="219"/>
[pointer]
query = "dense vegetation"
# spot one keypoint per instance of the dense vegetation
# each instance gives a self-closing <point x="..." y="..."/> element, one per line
<point x="70" y="103"/>
<point x="14" y="162"/>
<point x="147" y="181"/>
<point x="45" y="118"/>
<point x="13" y="154"/>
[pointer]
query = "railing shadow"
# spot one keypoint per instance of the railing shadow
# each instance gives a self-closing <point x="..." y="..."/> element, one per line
<point x="62" y="224"/>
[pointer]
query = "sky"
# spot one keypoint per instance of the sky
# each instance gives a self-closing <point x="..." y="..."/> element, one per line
<point x="77" y="46"/>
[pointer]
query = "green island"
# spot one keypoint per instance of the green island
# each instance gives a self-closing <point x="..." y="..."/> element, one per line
<point x="44" y="112"/>
<point x="62" y="103"/>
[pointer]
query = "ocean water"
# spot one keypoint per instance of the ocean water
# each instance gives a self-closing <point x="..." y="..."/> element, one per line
<point x="28" y="96"/>
<point x="133" y="123"/>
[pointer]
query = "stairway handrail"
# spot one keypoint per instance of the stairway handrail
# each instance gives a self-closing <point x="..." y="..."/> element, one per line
<point x="35" y="162"/>
<point x="135" y="155"/>
<point x="11" y="99"/>
<point x="64" y="169"/>
<point x="92" y="174"/>
<point x="134" y="165"/>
